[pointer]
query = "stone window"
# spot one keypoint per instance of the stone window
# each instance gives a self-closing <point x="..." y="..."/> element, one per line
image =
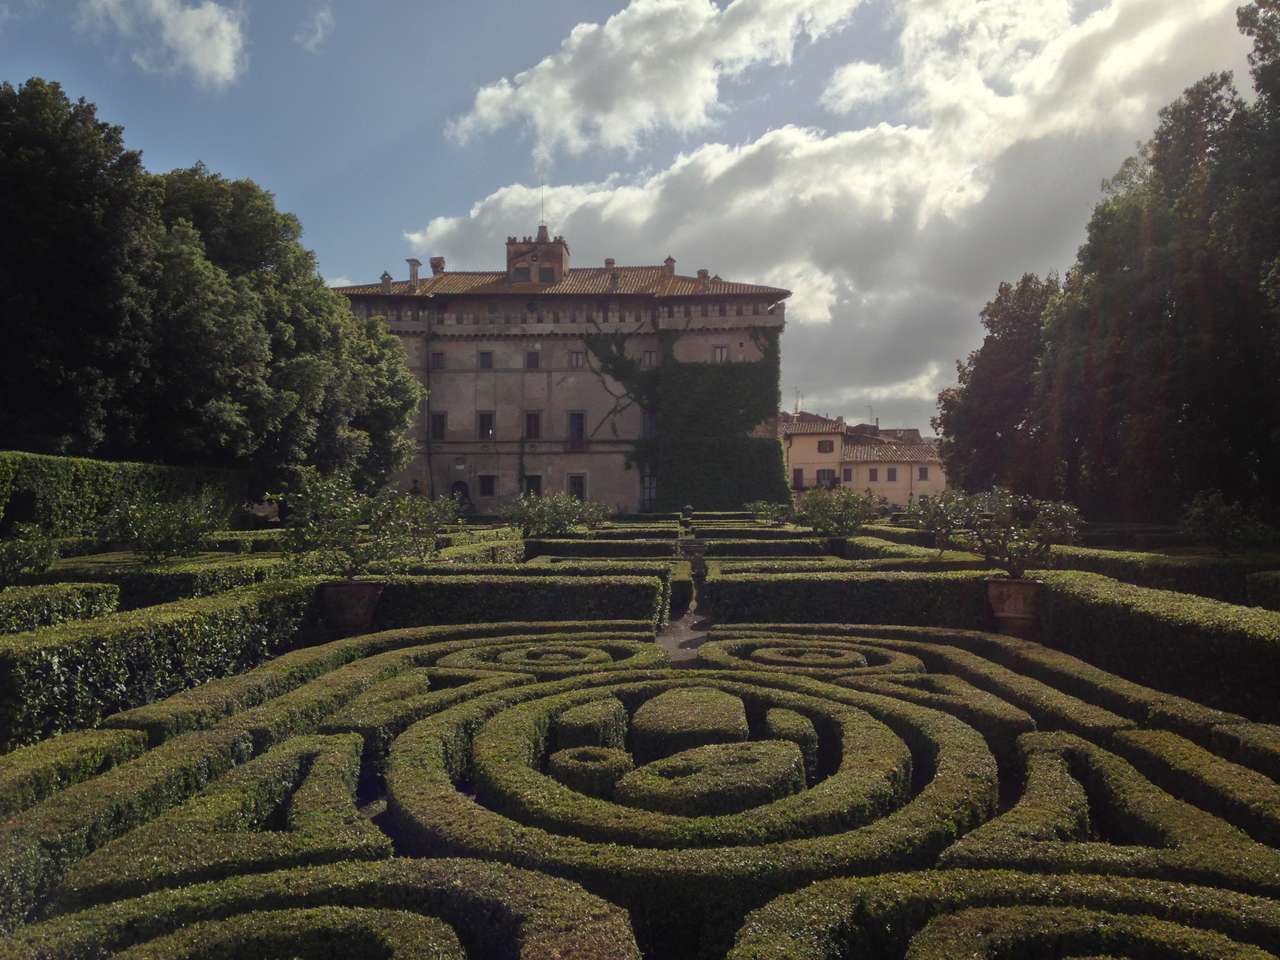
<point x="533" y="485"/>
<point x="826" y="478"/>
<point x="577" y="426"/>
<point x="546" y="275"/>
<point x="720" y="354"/>
<point x="439" y="425"/>
<point x="577" y="359"/>
<point x="924" y="473"/>
<point x="437" y="360"/>
<point x="488" y="485"/>
<point x="848" y="474"/>
<point x="892" y="474"/>
<point x="520" y="275"/>
<point x="649" y="360"/>
<point x="485" y="425"/>
<point x="576" y="484"/>
<point x="826" y="446"/>
<point x="873" y="475"/>
<point x="533" y="425"/>
<point x="532" y="360"/>
<point x="485" y="360"/>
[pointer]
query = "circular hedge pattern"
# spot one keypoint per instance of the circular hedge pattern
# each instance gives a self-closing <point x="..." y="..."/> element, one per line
<point x="560" y="790"/>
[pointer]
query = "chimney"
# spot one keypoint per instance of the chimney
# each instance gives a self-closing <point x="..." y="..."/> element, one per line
<point x="437" y="266"/>
<point x="414" y="264"/>
<point x="386" y="282"/>
<point x="542" y="234"/>
<point x="609" y="262"/>
<point x="613" y="279"/>
<point x="670" y="264"/>
<point x="704" y="275"/>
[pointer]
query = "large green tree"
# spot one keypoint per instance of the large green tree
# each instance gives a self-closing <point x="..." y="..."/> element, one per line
<point x="176" y="317"/>
<point x="78" y="212"/>
<point x="1157" y="372"/>
<point x="987" y="421"/>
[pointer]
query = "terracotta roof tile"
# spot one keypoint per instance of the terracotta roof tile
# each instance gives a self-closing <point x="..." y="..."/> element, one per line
<point x="597" y="281"/>
<point x="809" y="426"/>
<point x="889" y="453"/>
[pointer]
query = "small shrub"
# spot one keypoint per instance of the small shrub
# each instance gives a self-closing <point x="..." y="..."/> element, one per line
<point x="769" y="512"/>
<point x="592" y="514"/>
<point x="1210" y="518"/>
<point x="159" y="530"/>
<point x="27" y="553"/>
<point x="543" y="516"/>
<point x="942" y="517"/>
<point x="837" y="513"/>
<point x="414" y="521"/>
<point x="1015" y="531"/>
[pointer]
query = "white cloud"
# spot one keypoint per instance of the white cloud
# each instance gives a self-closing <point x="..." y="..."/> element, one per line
<point x="338" y="282"/>
<point x="206" y="38"/>
<point x="315" y="29"/>
<point x="657" y="64"/>
<point x="856" y="84"/>
<point x="893" y="235"/>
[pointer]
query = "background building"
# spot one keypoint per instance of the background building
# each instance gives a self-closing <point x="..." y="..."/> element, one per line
<point x="895" y="463"/>
<point x="518" y="401"/>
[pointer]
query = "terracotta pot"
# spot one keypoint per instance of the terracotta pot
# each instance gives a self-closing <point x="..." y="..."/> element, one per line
<point x="1013" y="603"/>
<point x="349" y="605"/>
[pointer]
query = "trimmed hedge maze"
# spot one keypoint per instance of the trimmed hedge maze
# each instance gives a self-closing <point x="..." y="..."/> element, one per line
<point x="550" y="785"/>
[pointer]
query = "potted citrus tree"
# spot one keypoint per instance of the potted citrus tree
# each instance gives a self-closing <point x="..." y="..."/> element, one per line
<point x="334" y="528"/>
<point x="1016" y="532"/>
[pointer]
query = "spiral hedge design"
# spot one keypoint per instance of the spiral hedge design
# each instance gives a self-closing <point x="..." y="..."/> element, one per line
<point x="561" y="790"/>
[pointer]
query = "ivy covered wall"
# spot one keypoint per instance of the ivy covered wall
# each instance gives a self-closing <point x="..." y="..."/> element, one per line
<point x="701" y="452"/>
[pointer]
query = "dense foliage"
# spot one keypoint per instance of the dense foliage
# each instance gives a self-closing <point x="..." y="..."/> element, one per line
<point x="175" y="318"/>
<point x="1153" y="373"/>
<point x="837" y="513"/>
<point x="700" y="451"/>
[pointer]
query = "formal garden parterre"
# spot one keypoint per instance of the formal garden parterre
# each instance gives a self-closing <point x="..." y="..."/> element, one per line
<point x="512" y="761"/>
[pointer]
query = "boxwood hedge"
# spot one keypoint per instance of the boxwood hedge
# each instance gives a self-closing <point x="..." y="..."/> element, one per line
<point x="949" y="598"/>
<point x="143" y="585"/>
<point x="497" y="911"/>
<point x="46" y="605"/>
<point x="1264" y="589"/>
<point x="409" y="601"/>
<point x="1219" y="654"/>
<point x="1217" y="577"/>
<point x="70" y="496"/>
<point x="72" y="675"/>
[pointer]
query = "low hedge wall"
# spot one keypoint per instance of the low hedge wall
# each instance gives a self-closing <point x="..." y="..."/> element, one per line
<point x="666" y="572"/>
<point x="629" y="532"/>
<point x="486" y="551"/>
<point x="954" y="599"/>
<point x="1220" y="654"/>
<point x="70" y="496"/>
<point x="244" y="541"/>
<point x="715" y="531"/>
<point x="416" y="601"/>
<point x="766" y="548"/>
<point x="44" y="605"/>
<point x="29" y="774"/>
<point x="908" y="535"/>
<point x="72" y="675"/>
<point x="499" y="911"/>
<point x="600" y="548"/>
<point x="461" y="536"/>
<point x="1218" y="577"/>
<point x="884" y="915"/>
<point x="1264" y="589"/>
<point x="179" y="579"/>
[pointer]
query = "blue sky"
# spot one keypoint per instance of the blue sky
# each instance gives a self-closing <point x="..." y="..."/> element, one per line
<point x="890" y="161"/>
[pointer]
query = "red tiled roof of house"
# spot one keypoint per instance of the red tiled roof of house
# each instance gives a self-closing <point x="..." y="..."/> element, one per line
<point x="828" y="426"/>
<point x="890" y="453"/>
<point x="594" y="281"/>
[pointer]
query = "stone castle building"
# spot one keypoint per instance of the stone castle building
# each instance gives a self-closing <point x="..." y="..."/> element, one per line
<point x="516" y="401"/>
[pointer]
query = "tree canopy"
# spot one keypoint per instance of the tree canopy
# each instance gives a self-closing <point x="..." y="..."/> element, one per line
<point x="176" y="317"/>
<point x="1154" y="372"/>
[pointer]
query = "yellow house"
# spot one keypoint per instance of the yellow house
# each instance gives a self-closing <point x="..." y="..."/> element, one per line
<point x="902" y="473"/>
<point x="897" y="464"/>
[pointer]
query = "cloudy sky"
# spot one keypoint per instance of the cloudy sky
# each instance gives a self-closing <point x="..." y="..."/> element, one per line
<point x="890" y="161"/>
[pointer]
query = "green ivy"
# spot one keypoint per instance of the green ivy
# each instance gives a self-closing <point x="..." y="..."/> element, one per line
<point x="703" y="453"/>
